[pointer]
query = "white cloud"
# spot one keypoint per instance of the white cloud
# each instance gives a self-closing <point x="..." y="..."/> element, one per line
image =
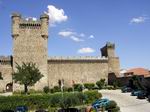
<point x="76" y="39"/>
<point x="138" y="20"/>
<point x="72" y="35"/>
<point x="31" y="18"/>
<point x="86" y="50"/>
<point x="56" y="15"/>
<point x="91" y="36"/>
<point x="65" y="33"/>
<point x="82" y="35"/>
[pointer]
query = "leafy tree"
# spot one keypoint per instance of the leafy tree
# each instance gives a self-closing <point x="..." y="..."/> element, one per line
<point x="135" y="83"/>
<point x="100" y="83"/>
<point x="1" y="78"/>
<point x="27" y="74"/>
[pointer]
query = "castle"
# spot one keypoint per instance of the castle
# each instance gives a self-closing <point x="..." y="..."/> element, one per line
<point x="30" y="45"/>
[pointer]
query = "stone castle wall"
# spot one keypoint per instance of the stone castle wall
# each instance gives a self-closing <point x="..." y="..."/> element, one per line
<point x="6" y="71"/>
<point x="79" y="70"/>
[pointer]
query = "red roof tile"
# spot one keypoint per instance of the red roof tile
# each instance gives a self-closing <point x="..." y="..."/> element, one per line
<point x="139" y="71"/>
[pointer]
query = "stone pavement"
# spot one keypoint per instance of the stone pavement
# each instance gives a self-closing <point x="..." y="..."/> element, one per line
<point x="126" y="102"/>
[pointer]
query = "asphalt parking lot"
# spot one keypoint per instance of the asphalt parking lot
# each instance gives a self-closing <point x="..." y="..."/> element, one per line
<point x="126" y="102"/>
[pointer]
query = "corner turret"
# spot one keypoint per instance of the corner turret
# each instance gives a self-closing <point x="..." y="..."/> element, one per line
<point x="108" y="50"/>
<point x="15" y="24"/>
<point x="44" y="25"/>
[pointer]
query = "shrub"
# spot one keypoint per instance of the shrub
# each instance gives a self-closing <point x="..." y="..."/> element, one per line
<point x="70" y="89"/>
<point x="112" y="107"/>
<point x="78" y="87"/>
<point x="32" y="101"/>
<point x="55" y="100"/>
<point x="101" y="83"/>
<point x="92" y="95"/>
<point x="55" y="89"/>
<point x="116" y="109"/>
<point x="46" y="89"/>
<point x="89" y="85"/>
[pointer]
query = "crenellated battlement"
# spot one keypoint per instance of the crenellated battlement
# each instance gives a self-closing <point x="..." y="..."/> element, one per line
<point x="19" y="23"/>
<point x="78" y="59"/>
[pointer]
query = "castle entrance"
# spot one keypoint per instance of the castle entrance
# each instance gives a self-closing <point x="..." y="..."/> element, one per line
<point x="9" y="87"/>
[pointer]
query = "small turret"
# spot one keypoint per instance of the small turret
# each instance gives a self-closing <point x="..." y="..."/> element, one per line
<point x="44" y="25"/>
<point x="15" y="24"/>
<point x="108" y="50"/>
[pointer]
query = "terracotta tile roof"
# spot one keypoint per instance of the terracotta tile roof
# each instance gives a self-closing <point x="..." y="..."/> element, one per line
<point x="139" y="71"/>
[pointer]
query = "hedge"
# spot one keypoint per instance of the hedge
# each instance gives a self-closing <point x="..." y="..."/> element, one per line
<point x="89" y="85"/>
<point x="48" y="100"/>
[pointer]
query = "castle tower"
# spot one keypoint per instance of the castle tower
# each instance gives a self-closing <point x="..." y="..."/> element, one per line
<point x="30" y="45"/>
<point x="113" y="62"/>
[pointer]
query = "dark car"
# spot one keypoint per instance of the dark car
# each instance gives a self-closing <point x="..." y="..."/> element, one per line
<point x="126" y="89"/>
<point x="141" y="95"/>
<point x="135" y="92"/>
<point x="21" y="109"/>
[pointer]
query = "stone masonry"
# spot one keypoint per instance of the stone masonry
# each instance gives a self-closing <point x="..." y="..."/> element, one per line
<point x="30" y="45"/>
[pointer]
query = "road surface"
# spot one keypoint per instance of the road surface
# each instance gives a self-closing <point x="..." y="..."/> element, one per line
<point x="126" y="102"/>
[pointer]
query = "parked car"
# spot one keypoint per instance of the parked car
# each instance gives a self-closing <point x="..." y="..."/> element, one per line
<point x="141" y="95"/>
<point x="21" y="109"/>
<point x="100" y="103"/>
<point x="126" y="89"/>
<point x="136" y="92"/>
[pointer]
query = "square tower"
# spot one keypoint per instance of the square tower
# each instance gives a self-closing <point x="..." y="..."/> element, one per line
<point x="30" y="45"/>
<point x="108" y="51"/>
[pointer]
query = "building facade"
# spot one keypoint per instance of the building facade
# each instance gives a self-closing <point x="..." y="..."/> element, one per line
<point x="30" y="40"/>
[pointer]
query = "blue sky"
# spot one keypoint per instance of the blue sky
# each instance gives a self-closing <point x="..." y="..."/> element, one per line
<point x="82" y="27"/>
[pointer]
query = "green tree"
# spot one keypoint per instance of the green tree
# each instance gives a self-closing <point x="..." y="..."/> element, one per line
<point x="1" y="78"/>
<point x="100" y="83"/>
<point x="135" y="83"/>
<point x="27" y="74"/>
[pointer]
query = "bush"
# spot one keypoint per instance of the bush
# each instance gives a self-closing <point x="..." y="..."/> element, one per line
<point x="101" y="83"/>
<point x="92" y="96"/>
<point x="116" y="109"/>
<point x="31" y="101"/>
<point x="55" y="89"/>
<point x="112" y="107"/>
<point x="46" y="89"/>
<point x="78" y="87"/>
<point x="48" y="100"/>
<point x="70" y="89"/>
<point x="89" y="85"/>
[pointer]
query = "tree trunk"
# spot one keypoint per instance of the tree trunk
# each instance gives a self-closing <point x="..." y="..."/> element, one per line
<point x="25" y="89"/>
